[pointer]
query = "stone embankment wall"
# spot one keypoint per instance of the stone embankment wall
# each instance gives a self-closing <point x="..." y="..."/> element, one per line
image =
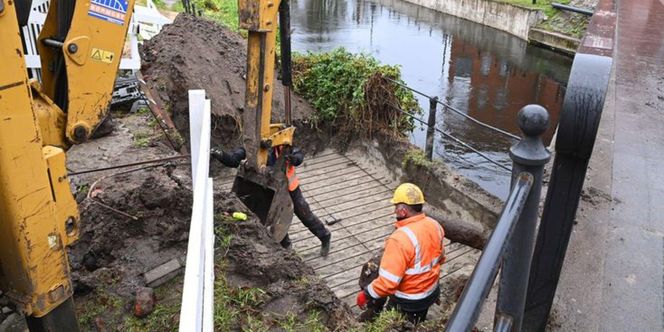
<point x="502" y="16"/>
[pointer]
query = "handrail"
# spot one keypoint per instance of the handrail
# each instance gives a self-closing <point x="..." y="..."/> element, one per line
<point x="450" y="136"/>
<point x="478" y="286"/>
<point x="511" y="245"/>
<point x="453" y="109"/>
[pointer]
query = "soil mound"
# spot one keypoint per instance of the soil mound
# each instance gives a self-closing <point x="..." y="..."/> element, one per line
<point x="148" y="227"/>
<point x="193" y="53"/>
<point x="291" y="286"/>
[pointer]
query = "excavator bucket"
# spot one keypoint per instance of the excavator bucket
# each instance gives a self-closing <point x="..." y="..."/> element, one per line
<point x="266" y="195"/>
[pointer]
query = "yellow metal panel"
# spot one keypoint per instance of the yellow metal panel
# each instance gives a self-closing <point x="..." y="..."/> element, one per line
<point x="51" y="119"/>
<point x="66" y="209"/>
<point x="91" y="84"/>
<point x="258" y="15"/>
<point x="282" y="137"/>
<point x="35" y="272"/>
<point x="93" y="50"/>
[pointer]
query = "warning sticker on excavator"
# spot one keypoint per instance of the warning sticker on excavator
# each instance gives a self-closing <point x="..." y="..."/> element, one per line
<point x="102" y="55"/>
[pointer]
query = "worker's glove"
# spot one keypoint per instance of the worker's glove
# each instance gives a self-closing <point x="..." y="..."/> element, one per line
<point x="363" y="299"/>
<point x="295" y="157"/>
<point x="216" y="153"/>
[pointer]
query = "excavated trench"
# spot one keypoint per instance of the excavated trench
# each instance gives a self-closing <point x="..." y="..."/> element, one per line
<point x="134" y="223"/>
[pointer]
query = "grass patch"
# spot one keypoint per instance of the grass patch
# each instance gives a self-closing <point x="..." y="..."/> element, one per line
<point x="417" y="158"/>
<point x="163" y="318"/>
<point x="567" y="23"/>
<point x="291" y="323"/>
<point x="142" y="139"/>
<point x="224" y="12"/>
<point x="101" y="302"/>
<point x="389" y="320"/>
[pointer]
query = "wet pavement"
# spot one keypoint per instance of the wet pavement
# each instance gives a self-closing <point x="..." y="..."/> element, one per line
<point x="613" y="278"/>
<point x="484" y="72"/>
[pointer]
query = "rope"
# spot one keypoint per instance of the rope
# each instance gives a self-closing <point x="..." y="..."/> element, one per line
<point x="451" y="108"/>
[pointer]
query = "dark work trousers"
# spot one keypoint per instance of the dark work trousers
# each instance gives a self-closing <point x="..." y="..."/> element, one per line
<point x="303" y="212"/>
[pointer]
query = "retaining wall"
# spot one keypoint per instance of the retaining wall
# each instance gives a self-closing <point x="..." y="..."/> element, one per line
<point x="502" y="16"/>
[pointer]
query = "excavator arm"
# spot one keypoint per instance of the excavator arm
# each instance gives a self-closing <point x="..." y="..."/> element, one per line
<point x="264" y="190"/>
<point x="80" y="47"/>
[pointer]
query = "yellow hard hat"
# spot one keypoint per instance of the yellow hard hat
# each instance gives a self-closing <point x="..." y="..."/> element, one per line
<point x="408" y="193"/>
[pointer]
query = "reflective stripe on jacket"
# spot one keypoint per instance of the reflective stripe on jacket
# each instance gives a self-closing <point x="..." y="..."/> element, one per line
<point x="410" y="267"/>
<point x="293" y="181"/>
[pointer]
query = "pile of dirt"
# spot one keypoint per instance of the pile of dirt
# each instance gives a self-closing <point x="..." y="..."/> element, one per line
<point x="254" y="260"/>
<point x="194" y="53"/>
<point x="150" y="228"/>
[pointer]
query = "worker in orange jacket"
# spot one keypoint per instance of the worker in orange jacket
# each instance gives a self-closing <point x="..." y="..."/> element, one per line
<point x="410" y="267"/>
<point x="300" y="205"/>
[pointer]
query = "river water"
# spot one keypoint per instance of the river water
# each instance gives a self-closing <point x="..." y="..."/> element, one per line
<point x="481" y="71"/>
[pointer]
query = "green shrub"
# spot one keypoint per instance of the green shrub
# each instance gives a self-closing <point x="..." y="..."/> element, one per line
<point x="352" y="89"/>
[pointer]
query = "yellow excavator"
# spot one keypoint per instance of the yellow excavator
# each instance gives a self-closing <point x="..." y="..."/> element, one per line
<point x="80" y="47"/>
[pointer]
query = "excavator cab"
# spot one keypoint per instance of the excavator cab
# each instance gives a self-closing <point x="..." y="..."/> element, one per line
<point x="262" y="187"/>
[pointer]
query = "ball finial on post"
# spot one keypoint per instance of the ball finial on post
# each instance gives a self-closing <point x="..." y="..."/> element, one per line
<point x="533" y="120"/>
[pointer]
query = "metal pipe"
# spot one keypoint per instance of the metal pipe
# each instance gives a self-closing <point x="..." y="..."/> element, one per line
<point x="53" y="43"/>
<point x="529" y="155"/>
<point x="286" y="66"/>
<point x="128" y="165"/>
<point x="583" y="11"/>
<point x="502" y="324"/>
<point x="478" y="286"/>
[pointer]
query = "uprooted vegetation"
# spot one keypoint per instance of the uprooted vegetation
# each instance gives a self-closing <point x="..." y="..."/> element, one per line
<point x="353" y="92"/>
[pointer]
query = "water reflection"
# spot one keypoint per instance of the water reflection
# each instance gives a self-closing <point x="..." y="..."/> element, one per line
<point x="479" y="70"/>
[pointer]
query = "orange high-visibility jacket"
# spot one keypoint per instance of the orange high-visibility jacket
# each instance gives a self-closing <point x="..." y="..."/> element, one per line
<point x="293" y="180"/>
<point x="410" y="267"/>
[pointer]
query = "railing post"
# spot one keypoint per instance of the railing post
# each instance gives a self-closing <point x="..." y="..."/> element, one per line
<point x="528" y="155"/>
<point x="431" y="124"/>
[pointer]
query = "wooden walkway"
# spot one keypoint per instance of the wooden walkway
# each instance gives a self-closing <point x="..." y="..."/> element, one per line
<point x="336" y="187"/>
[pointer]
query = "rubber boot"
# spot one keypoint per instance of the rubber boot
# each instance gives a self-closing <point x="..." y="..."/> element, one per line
<point x="325" y="244"/>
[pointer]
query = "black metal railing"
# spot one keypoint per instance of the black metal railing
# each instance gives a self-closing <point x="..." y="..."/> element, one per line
<point x="433" y="121"/>
<point x="511" y="245"/>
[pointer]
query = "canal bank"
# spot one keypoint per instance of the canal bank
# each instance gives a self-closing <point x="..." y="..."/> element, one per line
<point x="538" y="23"/>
